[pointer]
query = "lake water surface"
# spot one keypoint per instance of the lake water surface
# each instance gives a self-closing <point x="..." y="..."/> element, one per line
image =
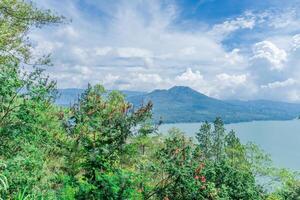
<point x="280" y="139"/>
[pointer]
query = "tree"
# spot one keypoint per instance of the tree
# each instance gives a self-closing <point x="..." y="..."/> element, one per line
<point x="179" y="172"/>
<point x="16" y="19"/>
<point x="103" y="123"/>
<point x="27" y="116"/>
<point x="226" y="169"/>
<point x="235" y="151"/>
<point x="204" y="138"/>
<point x="219" y="139"/>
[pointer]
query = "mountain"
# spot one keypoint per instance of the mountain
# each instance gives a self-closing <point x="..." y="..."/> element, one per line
<point x="183" y="104"/>
<point x="70" y="95"/>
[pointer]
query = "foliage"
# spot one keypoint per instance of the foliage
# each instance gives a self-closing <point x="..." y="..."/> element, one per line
<point x="3" y="181"/>
<point x="28" y="122"/>
<point x="227" y="166"/>
<point x="289" y="188"/>
<point x="102" y="123"/>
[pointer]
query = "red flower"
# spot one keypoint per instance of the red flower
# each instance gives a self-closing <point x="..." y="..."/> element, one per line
<point x="196" y="177"/>
<point x="203" y="179"/>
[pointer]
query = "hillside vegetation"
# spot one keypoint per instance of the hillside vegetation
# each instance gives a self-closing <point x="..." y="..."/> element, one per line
<point x="103" y="148"/>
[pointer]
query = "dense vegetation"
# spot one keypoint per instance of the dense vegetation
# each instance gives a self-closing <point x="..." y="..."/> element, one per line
<point x="102" y="148"/>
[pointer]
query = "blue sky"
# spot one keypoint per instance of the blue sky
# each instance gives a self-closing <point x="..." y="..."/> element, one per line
<point x="229" y="49"/>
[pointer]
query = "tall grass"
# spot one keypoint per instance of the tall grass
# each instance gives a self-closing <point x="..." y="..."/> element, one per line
<point x="23" y="196"/>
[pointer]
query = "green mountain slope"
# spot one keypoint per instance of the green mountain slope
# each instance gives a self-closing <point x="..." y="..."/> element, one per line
<point x="183" y="104"/>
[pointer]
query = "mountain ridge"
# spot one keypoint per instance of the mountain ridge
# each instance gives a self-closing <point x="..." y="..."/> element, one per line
<point x="184" y="104"/>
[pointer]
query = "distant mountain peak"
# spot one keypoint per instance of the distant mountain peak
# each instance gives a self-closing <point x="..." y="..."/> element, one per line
<point x="185" y="90"/>
<point x="180" y="88"/>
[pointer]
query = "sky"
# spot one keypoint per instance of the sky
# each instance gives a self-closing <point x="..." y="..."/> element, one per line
<point x="227" y="49"/>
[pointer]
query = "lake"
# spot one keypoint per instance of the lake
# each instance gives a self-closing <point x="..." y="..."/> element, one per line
<point x="280" y="139"/>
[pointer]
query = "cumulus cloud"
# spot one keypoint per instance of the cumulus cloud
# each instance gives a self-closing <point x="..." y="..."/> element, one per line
<point x="266" y="50"/>
<point x="190" y="76"/>
<point x="288" y="90"/>
<point x="234" y="57"/>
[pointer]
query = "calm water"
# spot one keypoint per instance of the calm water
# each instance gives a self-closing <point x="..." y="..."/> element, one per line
<point x="281" y="139"/>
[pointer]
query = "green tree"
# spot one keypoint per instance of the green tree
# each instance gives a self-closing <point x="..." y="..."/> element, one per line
<point x="179" y="173"/>
<point x="27" y="116"/>
<point x="204" y="138"/>
<point x="235" y="151"/>
<point x="16" y="19"/>
<point x="103" y="123"/>
<point x="227" y="169"/>
<point x="218" y="139"/>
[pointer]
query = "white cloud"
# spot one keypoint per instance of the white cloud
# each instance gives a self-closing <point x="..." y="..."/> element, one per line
<point x="234" y="57"/>
<point x="149" y="62"/>
<point x="193" y="79"/>
<point x="131" y="52"/>
<point x="188" y="51"/>
<point x="247" y="21"/>
<point x="46" y="47"/>
<point x="270" y="52"/>
<point x="109" y="80"/>
<point x="287" y="90"/>
<point x="68" y="31"/>
<point x="222" y="85"/>
<point x="151" y="78"/>
<point x="190" y="76"/>
<point x="283" y="20"/>
<point x="141" y="81"/>
<point x="280" y="84"/>
<point x="228" y="85"/>
<point x="102" y="51"/>
<point x="230" y="80"/>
